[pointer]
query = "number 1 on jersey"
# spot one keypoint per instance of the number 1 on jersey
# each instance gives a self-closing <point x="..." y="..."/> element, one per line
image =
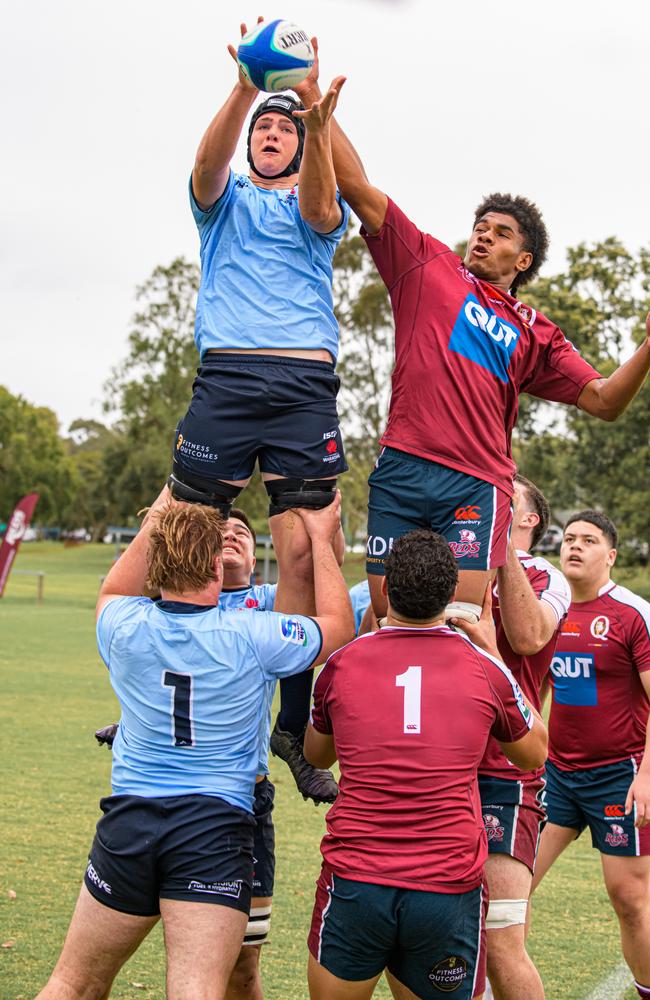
<point x="411" y="681"/>
<point x="181" y="707"/>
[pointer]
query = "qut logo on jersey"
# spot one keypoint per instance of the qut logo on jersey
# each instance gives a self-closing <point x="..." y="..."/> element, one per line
<point x="484" y="338"/>
<point x="574" y="679"/>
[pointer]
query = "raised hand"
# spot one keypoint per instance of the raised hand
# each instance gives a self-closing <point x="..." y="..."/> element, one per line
<point x="317" y="116"/>
<point x="309" y="86"/>
<point x="244" y="82"/>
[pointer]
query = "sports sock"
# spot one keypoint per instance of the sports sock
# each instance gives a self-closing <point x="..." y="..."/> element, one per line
<point x="295" y="702"/>
<point x="643" y="991"/>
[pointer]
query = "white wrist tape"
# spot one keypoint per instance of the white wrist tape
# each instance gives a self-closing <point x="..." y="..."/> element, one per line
<point x="463" y="609"/>
<point x="505" y="913"/>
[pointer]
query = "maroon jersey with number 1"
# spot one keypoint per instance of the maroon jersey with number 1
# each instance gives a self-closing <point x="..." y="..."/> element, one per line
<point x="411" y="711"/>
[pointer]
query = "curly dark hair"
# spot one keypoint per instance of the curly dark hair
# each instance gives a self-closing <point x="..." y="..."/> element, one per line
<point x="421" y="575"/>
<point x="536" y="504"/>
<point x="599" y="520"/>
<point x="531" y="223"/>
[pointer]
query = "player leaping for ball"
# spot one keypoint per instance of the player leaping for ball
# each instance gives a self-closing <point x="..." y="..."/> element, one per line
<point x="598" y="772"/>
<point x="268" y="340"/>
<point x="465" y="348"/>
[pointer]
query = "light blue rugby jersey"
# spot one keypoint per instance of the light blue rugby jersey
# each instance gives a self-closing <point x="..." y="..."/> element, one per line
<point x="192" y="688"/>
<point x="266" y="276"/>
<point x="360" y="597"/>
<point x="257" y="598"/>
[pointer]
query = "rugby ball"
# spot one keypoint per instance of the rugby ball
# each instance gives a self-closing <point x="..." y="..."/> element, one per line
<point x="275" y="56"/>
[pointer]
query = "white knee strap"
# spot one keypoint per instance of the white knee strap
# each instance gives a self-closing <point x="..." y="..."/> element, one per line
<point x="259" y="923"/>
<point x="463" y="610"/>
<point x="505" y="913"/>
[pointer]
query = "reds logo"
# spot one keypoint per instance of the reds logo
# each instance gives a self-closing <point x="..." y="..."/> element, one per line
<point x="616" y="837"/>
<point x="493" y="827"/>
<point x="527" y="313"/>
<point x="599" y="627"/>
<point x="467" y="546"/>
<point x="472" y="513"/>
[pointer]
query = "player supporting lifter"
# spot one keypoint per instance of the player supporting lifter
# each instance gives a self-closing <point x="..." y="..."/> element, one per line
<point x="193" y="681"/>
<point x="529" y="602"/>
<point x="268" y="341"/>
<point x="238" y="594"/>
<point x="598" y="773"/>
<point x="401" y="883"/>
<point x="465" y="348"/>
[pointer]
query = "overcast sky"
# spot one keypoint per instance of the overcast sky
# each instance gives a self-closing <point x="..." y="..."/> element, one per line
<point x="104" y="104"/>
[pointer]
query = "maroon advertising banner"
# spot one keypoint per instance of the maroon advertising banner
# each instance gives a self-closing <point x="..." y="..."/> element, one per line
<point x="18" y="525"/>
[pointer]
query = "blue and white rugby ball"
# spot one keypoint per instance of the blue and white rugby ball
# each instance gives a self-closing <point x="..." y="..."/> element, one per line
<point x="275" y="56"/>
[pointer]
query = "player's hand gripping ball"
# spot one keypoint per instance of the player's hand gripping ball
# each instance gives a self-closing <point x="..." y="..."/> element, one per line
<point x="275" y="56"/>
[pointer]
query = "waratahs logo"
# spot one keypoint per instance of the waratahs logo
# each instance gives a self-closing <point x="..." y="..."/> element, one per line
<point x="467" y="545"/>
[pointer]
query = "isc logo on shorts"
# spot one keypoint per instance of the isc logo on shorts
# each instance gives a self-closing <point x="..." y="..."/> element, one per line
<point x="484" y="338"/>
<point x="574" y="679"/>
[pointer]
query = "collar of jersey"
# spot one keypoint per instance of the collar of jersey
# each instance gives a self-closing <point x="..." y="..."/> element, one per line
<point x="235" y="590"/>
<point x="606" y="587"/>
<point x="182" y="608"/>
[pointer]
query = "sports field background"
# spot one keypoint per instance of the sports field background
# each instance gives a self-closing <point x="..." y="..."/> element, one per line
<point x="55" y="693"/>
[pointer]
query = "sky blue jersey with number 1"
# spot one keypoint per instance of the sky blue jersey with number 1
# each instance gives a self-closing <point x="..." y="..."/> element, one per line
<point x="260" y="597"/>
<point x="192" y="685"/>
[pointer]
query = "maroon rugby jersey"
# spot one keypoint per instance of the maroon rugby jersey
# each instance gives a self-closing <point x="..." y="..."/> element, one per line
<point x="464" y="350"/>
<point x="411" y="711"/>
<point x="600" y="710"/>
<point x="529" y="671"/>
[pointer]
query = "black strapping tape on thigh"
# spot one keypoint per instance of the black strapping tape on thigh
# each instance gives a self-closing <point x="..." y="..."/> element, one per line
<point x="285" y="494"/>
<point x="221" y="498"/>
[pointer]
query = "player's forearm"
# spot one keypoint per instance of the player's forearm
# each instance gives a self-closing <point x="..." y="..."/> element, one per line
<point x="317" y="183"/>
<point x="607" y="398"/>
<point x="644" y="766"/>
<point x="218" y="145"/>
<point x="527" y="623"/>
<point x="127" y="576"/>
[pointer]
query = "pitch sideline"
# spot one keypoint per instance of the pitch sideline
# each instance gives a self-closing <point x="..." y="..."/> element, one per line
<point x="614" y="986"/>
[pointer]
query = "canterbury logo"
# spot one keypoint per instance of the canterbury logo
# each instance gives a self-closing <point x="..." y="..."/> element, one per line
<point x="614" y="811"/>
<point x="468" y="513"/>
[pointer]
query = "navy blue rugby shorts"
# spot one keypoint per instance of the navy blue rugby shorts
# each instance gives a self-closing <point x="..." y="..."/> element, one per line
<point x="196" y="848"/>
<point x="247" y="407"/>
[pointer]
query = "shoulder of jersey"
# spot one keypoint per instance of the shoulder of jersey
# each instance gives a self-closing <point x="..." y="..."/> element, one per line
<point x="627" y="598"/>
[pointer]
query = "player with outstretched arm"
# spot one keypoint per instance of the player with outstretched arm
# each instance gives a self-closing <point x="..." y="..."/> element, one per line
<point x="268" y="341"/>
<point x="465" y="348"/>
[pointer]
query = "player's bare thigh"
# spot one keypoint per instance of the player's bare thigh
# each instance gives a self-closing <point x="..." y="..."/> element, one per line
<point x="98" y="943"/>
<point x="324" y="986"/>
<point x="402" y="992"/>
<point x="202" y="942"/>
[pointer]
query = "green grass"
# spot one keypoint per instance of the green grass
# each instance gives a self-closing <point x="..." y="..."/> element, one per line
<point x="56" y="692"/>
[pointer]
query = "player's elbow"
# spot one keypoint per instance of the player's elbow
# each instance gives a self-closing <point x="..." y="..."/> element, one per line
<point x="531" y="751"/>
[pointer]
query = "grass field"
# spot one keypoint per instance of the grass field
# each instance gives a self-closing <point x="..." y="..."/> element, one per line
<point x="56" y="692"/>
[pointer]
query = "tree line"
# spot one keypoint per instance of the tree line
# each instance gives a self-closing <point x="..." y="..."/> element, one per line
<point x="99" y="473"/>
